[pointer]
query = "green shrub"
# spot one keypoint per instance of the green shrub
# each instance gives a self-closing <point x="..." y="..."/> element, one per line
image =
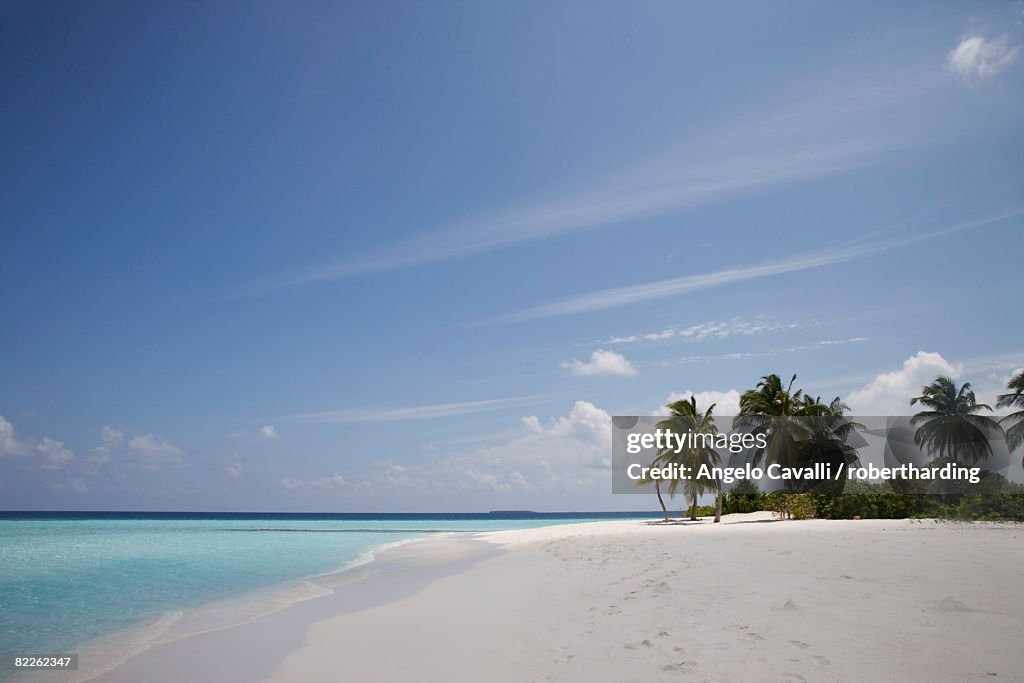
<point x="744" y="496"/>
<point x="791" y="505"/>
<point x="1001" y="500"/>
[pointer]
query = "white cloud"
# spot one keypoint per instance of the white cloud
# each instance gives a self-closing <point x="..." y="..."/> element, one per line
<point x="147" y="443"/>
<point x="110" y="435"/>
<point x="268" y="432"/>
<point x="234" y="469"/>
<point x="395" y="475"/>
<point x="9" y="443"/>
<point x="54" y="452"/>
<point x="976" y="57"/>
<point x="602" y="364"/>
<point x="585" y="419"/>
<point x="989" y="389"/>
<point x="291" y="483"/>
<point x="487" y="481"/>
<point x="425" y="412"/>
<point x="153" y="451"/>
<point x="698" y="332"/>
<point x="889" y="393"/>
<point x="989" y="376"/>
<point x="330" y="482"/>
<point x="110" y="438"/>
<point x="569" y="452"/>
<point x="147" y="450"/>
<point x="623" y="296"/>
<point x="532" y="422"/>
<point x="727" y="403"/>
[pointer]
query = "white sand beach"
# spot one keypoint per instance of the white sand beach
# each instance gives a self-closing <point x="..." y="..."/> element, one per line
<point x="750" y="599"/>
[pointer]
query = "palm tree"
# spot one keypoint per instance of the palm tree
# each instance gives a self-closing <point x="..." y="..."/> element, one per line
<point x="769" y="398"/>
<point x="950" y="427"/>
<point x="778" y="412"/>
<point x="827" y="440"/>
<point x="658" y="462"/>
<point x="1015" y="420"/>
<point x="686" y="418"/>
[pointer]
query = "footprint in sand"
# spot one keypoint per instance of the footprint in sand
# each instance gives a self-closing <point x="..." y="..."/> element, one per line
<point x="681" y="667"/>
<point x="790" y="606"/>
<point x="821" y="661"/>
<point x="800" y="644"/>
<point x="951" y="604"/>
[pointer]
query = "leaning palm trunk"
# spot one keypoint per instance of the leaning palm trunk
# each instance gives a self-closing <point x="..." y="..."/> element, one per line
<point x="693" y="509"/>
<point x="718" y="506"/>
<point x="661" y="501"/>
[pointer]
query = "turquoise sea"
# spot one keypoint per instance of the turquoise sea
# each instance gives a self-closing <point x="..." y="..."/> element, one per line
<point x="67" y="578"/>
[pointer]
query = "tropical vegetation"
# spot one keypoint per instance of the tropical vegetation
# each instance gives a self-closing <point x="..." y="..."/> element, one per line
<point x="950" y="427"/>
<point x="1013" y="423"/>
<point x="800" y="430"/>
<point x="686" y="418"/>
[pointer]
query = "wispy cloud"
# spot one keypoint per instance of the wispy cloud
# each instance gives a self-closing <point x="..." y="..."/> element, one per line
<point x="715" y="329"/>
<point x="748" y="355"/>
<point x="839" y="342"/>
<point x="634" y="195"/>
<point x="424" y="412"/>
<point x="976" y="57"/>
<point x="623" y="296"/>
<point x="809" y="137"/>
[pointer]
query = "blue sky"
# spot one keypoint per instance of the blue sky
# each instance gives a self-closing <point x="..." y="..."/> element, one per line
<point x="396" y="256"/>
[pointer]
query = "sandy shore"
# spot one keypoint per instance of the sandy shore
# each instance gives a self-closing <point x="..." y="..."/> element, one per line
<point x="750" y="599"/>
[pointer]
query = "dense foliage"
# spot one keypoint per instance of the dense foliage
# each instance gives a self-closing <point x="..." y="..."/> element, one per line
<point x="880" y="501"/>
<point x="949" y="428"/>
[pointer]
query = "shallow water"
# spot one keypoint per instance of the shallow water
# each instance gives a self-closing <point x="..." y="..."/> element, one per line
<point x="71" y="579"/>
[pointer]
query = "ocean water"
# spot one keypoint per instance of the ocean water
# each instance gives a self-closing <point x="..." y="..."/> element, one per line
<point x="68" y="578"/>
